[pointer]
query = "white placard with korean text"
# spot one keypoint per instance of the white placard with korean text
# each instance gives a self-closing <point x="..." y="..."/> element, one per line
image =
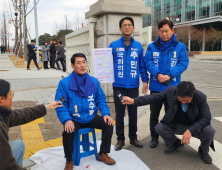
<point x="103" y="65"/>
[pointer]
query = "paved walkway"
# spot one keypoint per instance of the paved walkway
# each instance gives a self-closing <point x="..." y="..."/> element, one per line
<point x="40" y="86"/>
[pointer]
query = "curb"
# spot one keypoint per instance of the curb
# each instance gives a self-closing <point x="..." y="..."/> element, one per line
<point x="205" y="61"/>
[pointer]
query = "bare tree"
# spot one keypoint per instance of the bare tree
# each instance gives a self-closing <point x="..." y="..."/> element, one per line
<point x="67" y="25"/>
<point x="77" y="21"/>
<point x="183" y="33"/>
<point x="198" y="36"/>
<point x="212" y="36"/>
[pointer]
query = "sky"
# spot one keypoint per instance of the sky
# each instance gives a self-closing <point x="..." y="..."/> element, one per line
<point x="48" y="11"/>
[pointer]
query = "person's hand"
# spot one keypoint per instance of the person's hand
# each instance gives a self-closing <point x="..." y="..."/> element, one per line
<point x="166" y="77"/>
<point x="145" y="87"/>
<point x="47" y="49"/>
<point x="69" y="126"/>
<point x="127" y="100"/>
<point x="53" y="105"/>
<point x="186" y="137"/>
<point x="161" y="78"/>
<point x="109" y="120"/>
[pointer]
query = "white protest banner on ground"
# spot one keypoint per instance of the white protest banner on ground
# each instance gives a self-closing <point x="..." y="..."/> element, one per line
<point x="103" y="65"/>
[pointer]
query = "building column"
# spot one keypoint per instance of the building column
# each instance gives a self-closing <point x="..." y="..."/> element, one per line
<point x="183" y="11"/>
<point x="211" y="8"/>
<point x="203" y="45"/>
<point x="162" y="9"/>
<point x="152" y="14"/>
<point x="221" y="45"/>
<point x="189" y="40"/>
<point x="172" y="8"/>
<point x="197" y="8"/>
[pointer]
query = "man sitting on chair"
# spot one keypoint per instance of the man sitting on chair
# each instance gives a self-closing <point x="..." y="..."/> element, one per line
<point x="83" y="95"/>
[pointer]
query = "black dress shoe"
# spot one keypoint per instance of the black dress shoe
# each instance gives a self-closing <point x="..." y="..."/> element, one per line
<point x="154" y="142"/>
<point x="176" y="146"/>
<point x="58" y="69"/>
<point x="119" y="145"/>
<point x="205" y="157"/>
<point x="136" y="143"/>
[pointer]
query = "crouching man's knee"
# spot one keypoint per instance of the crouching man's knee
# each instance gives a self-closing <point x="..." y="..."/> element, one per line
<point x="159" y="128"/>
<point x="208" y="131"/>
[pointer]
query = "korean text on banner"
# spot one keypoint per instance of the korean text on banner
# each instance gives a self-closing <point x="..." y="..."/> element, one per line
<point x="103" y="65"/>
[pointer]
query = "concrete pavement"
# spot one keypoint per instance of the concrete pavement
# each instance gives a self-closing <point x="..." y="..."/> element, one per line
<point x="31" y="86"/>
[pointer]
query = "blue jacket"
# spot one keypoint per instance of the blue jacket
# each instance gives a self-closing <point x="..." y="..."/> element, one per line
<point x="31" y="50"/>
<point x="128" y="64"/>
<point x="173" y="62"/>
<point x="82" y="110"/>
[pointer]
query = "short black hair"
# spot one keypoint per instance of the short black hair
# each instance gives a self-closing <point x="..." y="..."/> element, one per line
<point x="4" y="88"/>
<point x="60" y="42"/>
<point x="185" y="89"/>
<point x="126" y="18"/>
<point x="32" y="40"/>
<point x="165" y="21"/>
<point x="77" y="55"/>
<point x="53" y="40"/>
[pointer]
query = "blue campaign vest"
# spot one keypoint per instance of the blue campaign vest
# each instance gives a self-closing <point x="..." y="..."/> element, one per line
<point x="173" y="61"/>
<point x="128" y="64"/>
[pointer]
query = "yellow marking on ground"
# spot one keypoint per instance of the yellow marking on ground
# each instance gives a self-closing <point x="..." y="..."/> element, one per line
<point x="29" y="127"/>
<point x="37" y="121"/>
<point x="29" y="151"/>
<point x="31" y="134"/>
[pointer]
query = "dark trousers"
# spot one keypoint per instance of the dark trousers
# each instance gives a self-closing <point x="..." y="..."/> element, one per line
<point x="154" y="115"/>
<point x="45" y="64"/>
<point x="98" y="123"/>
<point x="34" y="59"/>
<point x="120" y="112"/>
<point x="206" y="135"/>
<point x="62" y="62"/>
<point x="52" y="60"/>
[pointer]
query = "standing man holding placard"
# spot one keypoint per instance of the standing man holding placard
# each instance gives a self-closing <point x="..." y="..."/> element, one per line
<point x="128" y="65"/>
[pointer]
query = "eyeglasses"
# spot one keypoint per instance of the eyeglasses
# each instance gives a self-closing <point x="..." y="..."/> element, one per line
<point x="12" y="94"/>
<point x="125" y="25"/>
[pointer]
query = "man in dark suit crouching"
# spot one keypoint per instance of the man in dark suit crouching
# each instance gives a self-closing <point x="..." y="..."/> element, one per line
<point x="188" y="115"/>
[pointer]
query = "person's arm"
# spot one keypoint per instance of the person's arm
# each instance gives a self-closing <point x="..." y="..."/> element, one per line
<point x="7" y="160"/>
<point x="205" y="117"/>
<point x="30" y="49"/>
<point x="143" y="70"/>
<point x="100" y="100"/>
<point x="59" y="50"/>
<point x="43" y="48"/>
<point x="149" y="64"/>
<point x="150" y="99"/>
<point x="50" y="48"/>
<point x="28" y="114"/>
<point x="62" y="112"/>
<point x="181" y="65"/>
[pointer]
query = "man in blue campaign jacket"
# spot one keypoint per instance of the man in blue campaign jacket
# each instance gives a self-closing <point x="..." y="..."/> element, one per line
<point x="166" y="59"/>
<point x="128" y="65"/>
<point x="84" y="96"/>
